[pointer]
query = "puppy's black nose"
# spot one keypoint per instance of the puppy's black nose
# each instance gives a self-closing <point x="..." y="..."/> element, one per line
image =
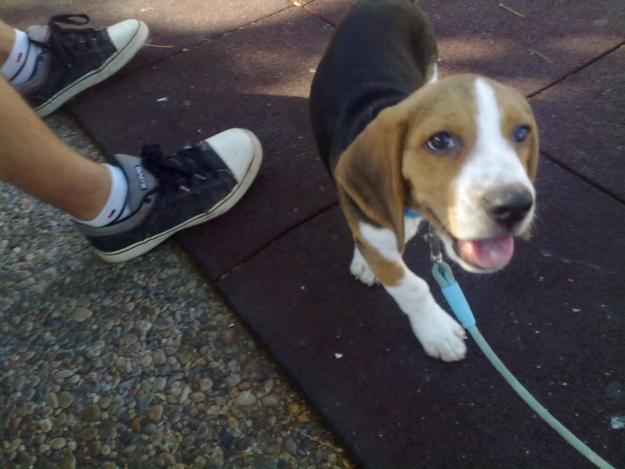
<point x="508" y="205"/>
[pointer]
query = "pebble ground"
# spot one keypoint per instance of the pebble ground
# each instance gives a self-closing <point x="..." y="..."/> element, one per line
<point x="139" y="365"/>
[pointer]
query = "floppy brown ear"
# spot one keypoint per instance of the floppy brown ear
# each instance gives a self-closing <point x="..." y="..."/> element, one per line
<point x="369" y="171"/>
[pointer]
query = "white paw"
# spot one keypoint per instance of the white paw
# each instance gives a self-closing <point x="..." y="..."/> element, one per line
<point x="361" y="270"/>
<point x="440" y="335"/>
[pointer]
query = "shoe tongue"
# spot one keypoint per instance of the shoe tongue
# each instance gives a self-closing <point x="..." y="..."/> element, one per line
<point x="492" y="253"/>
<point x="39" y="33"/>
<point x="140" y="180"/>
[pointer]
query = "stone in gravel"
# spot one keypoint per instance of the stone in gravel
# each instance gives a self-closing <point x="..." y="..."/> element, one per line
<point x="135" y="424"/>
<point x="46" y="411"/>
<point x="159" y="357"/>
<point x="58" y="443"/>
<point x="91" y="413"/>
<point x="206" y="384"/>
<point x="246" y="398"/>
<point x="216" y="457"/>
<point x="146" y="360"/>
<point x="62" y="419"/>
<point x="143" y="326"/>
<point x="270" y="400"/>
<point x="65" y="399"/>
<point x="104" y="403"/>
<point x="245" y="385"/>
<point x="94" y="448"/>
<point x="73" y="379"/>
<point x="81" y="314"/>
<point x="160" y="383"/>
<point x="291" y="447"/>
<point x="233" y="380"/>
<point x="129" y="339"/>
<point x="52" y="400"/>
<point x="69" y="462"/>
<point x="64" y="373"/>
<point x="14" y="445"/>
<point x="155" y="413"/>
<point x="105" y="451"/>
<point x="88" y="434"/>
<point x="149" y="428"/>
<point x="169" y="458"/>
<point x="45" y="425"/>
<point x="109" y="465"/>
<point x="185" y="394"/>
<point x="197" y="397"/>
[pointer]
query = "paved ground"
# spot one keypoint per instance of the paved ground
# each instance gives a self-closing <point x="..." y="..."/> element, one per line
<point x="131" y="366"/>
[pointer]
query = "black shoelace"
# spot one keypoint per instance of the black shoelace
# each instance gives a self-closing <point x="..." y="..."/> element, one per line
<point x="62" y="40"/>
<point x="180" y="170"/>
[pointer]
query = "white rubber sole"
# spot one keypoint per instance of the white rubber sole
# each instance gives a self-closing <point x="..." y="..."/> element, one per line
<point x="222" y="207"/>
<point x="108" y="68"/>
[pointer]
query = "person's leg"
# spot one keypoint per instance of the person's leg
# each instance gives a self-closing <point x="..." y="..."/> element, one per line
<point x="37" y="161"/>
<point x="7" y="37"/>
<point x="153" y="196"/>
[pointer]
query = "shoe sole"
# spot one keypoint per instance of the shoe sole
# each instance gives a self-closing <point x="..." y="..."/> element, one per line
<point x="222" y="207"/>
<point x="108" y="68"/>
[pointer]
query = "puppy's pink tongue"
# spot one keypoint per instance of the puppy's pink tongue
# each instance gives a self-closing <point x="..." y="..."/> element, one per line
<point x="493" y="253"/>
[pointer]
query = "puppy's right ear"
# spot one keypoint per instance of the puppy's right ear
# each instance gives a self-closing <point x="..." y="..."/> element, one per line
<point x="369" y="171"/>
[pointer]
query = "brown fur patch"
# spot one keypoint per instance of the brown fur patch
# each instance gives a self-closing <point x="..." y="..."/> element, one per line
<point x="446" y="106"/>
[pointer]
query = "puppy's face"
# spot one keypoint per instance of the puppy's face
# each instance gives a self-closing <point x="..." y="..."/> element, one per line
<point x="469" y="154"/>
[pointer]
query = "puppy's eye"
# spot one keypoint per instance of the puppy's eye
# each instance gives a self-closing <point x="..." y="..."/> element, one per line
<point x="441" y="142"/>
<point x="520" y="133"/>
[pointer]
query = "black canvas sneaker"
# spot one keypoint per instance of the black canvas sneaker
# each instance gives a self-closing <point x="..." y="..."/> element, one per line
<point x="167" y="194"/>
<point x="74" y="59"/>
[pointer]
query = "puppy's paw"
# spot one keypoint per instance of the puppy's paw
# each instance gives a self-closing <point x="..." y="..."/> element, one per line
<point x="361" y="270"/>
<point x="440" y="335"/>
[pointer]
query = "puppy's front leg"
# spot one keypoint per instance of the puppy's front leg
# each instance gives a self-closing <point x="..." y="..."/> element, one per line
<point x="359" y="267"/>
<point x="440" y="335"/>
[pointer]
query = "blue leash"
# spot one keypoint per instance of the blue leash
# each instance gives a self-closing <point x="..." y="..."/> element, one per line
<point x="460" y="306"/>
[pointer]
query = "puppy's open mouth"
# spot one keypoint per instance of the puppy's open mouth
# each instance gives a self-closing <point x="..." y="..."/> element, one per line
<point x="484" y="254"/>
<point x="488" y="254"/>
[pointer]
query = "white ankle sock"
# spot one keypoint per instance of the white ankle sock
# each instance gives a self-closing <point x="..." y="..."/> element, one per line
<point x="116" y="202"/>
<point x="20" y="65"/>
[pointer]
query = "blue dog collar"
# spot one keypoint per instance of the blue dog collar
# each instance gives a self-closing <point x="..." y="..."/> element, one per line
<point x="411" y="213"/>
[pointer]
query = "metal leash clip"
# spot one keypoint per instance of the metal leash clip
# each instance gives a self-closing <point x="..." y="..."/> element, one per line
<point x="436" y="254"/>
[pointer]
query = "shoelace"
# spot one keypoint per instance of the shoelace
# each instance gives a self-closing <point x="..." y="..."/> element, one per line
<point x="180" y="170"/>
<point x="61" y="38"/>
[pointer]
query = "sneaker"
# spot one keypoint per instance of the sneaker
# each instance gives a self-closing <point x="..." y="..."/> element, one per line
<point x="167" y="194"/>
<point x="74" y="59"/>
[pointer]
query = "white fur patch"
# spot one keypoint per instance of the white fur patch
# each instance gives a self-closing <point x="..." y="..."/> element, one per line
<point x="411" y="227"/>
<point x="492" y="163"/>
<point x="361" y="270"/>
<point x="382" y="239"/>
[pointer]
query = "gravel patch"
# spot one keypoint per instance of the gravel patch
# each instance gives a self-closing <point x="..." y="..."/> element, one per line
<point x="133" y="365"/>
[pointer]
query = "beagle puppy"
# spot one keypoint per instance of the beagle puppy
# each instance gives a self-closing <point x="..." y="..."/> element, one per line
<point x="460" y="152"/>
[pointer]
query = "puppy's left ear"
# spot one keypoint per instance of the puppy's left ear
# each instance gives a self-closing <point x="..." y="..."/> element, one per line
<point x="369" y="171"/>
